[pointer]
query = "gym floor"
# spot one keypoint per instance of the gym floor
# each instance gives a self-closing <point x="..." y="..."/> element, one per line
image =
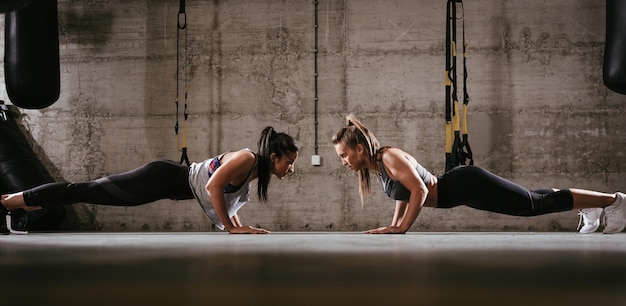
<point x="333" y="268"/>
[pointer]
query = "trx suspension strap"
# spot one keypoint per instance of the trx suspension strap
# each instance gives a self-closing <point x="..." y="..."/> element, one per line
<point x="450" y="79"/>
<point x="464" y="151"/>
<point x="457" y="151"/>
<point x="181" y="26"/>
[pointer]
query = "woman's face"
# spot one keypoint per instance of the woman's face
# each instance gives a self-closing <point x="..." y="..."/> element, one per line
<point x="281" y="166"/>
<point x="351" y="157"/>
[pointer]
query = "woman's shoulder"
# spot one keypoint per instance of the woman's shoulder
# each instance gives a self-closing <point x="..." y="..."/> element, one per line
<point x="243" y="155"/>
<point x="387" y="153"/>
<point x="396" y="156"/>
<point x="245" y="151"/>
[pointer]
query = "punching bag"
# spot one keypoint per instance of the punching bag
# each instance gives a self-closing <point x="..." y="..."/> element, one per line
<point x="21" y="169"/>
<point x="31" y="56"/>
<point x="614" y="70"/>
<point x="9" y="5"/>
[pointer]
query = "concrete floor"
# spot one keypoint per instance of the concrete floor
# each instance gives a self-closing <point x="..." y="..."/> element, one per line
<point x="313" y="269"/>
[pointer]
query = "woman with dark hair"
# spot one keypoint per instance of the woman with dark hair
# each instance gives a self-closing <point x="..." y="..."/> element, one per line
<point x="413" y="187"/>
<point x="219" y="184"/>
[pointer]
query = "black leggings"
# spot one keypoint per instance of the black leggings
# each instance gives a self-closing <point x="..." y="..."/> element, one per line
<point x="161" y="179"/>
<point x="480" y="189"/>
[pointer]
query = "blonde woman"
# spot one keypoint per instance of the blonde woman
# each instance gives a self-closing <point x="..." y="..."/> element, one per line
<point x="412" y="186"/>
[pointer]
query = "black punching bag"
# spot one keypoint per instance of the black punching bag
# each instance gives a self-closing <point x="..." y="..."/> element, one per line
<point x="9" y="5"/>
<point x="614" y="70"/>
<point x="31" y="56"/>
<point x="21" y="169"/>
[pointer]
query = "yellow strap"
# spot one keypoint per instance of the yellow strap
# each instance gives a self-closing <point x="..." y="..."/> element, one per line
<point x="455" y="118"/>
<point x="464" y="119"/>
<point x="454" y="48"/>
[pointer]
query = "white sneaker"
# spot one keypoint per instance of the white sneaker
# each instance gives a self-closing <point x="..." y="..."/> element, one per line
<point x="591" y="219"/>
<point x="615" y="215"/>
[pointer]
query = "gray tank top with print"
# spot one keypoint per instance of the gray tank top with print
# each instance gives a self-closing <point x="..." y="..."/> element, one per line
<point x="199" y="177"/>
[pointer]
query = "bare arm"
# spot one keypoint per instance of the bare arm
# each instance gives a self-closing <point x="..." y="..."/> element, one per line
<point x="236" y="221"/>
<point x="400" y="168"/>
<point x="399" y="212"/>
<point x="233" y="170"/>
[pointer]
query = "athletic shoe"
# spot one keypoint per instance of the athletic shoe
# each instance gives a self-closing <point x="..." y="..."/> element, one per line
<point x="615" y="215"/>
<point x="17" y="221"/>
<point x="13" y="222"/>
<point x="591" y="219"/>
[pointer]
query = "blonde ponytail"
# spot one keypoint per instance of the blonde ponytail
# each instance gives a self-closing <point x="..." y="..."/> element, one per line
<point x="351" y="135"/>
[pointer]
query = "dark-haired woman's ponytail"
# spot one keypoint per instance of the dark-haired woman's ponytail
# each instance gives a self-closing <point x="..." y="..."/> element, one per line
<point x="264" y="162"/>
<point x="265" y="141"/>
<point x="270" y="142"/>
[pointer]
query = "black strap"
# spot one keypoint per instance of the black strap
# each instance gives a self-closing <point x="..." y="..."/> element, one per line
<point x="458" y="150"/>
<point x="181" y="26"/>
<point x="450" y="82"/>
<point x="182" y="23"/>
<point x="465" y="151"/>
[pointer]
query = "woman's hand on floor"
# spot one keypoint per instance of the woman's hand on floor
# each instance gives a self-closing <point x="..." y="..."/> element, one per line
<point x="248" y="230"/>
<point x="385" y="230"/>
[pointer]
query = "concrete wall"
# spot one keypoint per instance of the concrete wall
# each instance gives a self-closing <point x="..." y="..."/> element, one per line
<point x="539" y="113"/>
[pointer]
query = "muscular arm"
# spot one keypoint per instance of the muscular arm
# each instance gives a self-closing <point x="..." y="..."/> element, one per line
<point x="398" y="213"/>
<point x="233" y="170"/>
<point x="400" y="167"/>
<point x="236" y="221"/>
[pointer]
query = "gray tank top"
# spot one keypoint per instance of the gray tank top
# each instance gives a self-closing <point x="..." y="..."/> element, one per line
<point x="395" y="189"/>
<point x="235" y="198"/>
